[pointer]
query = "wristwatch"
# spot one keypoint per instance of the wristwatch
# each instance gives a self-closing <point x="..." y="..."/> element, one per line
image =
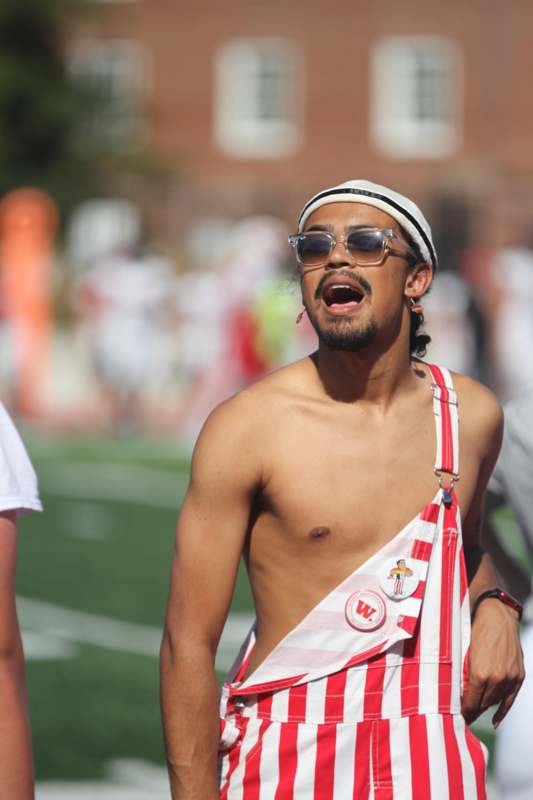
<point x="500" y="595"/>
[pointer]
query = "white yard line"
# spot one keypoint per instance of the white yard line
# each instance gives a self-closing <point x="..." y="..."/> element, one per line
<point x="45" y="647"/>
<point x="126" y="483"/>
<point x="93" y="790"/>
<point x="83" y="628"/>
<point x="79" y="627"/>
<point x="128" y="779"/>
<point x="131" y="780"/>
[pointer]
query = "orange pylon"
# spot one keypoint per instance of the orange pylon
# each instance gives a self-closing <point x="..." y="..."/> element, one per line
<point x="28" y="223"/>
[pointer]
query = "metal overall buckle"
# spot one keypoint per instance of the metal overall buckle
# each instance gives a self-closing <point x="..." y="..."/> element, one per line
<point x="447" y="488"/>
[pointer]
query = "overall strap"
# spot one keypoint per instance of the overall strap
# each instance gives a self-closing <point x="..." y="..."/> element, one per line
<point x="446" y="424"/>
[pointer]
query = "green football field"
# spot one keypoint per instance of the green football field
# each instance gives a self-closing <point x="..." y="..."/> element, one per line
<point x="92" y="582"/>
<point x="102" y="547"/>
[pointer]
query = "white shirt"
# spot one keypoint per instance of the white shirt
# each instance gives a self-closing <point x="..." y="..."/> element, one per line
<point x="18" y="481"/>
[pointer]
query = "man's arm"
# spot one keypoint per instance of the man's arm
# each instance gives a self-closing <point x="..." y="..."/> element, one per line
<point x="495" y="668"/>
<point x="225" y="475"/>
<point x="16" y="765"/>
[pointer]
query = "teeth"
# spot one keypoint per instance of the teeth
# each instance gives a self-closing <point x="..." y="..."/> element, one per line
<point x="343" y="286"/>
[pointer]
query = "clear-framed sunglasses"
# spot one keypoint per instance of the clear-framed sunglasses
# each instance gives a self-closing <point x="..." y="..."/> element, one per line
<point x="366" y="247"/>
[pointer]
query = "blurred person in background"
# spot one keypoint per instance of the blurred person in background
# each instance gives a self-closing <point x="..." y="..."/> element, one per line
<point x="342" y="688"/>
<point x="18" y="495"/>
<point x="123" y="303"/>
<point x="513" y="321"/>
<point x="255" y="259"/>
<point x="233" y="312"/>
<point x="512" y="484"/>
<point x="455" y="319"/>
<point x="275" y="309"/>
<point x="451" y="326"/>
<point x="200" y="305"/>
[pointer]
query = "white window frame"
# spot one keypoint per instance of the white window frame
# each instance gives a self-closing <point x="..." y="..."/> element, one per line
<point x="93" y="55"/>
<point x="239" y="130"/>
<point x="396" y="127"/>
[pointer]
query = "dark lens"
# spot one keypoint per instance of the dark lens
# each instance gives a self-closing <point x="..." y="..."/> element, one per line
<point x="313" y="248"/>
<point x="366" y="245"/>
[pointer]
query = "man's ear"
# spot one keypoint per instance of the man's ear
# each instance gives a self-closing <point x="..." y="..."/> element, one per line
<point x="418" y="280"/>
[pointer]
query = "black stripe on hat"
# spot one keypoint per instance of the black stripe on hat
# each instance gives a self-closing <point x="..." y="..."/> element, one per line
<point x="385" y="199"/>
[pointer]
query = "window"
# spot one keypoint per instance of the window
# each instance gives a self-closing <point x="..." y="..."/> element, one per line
<point x="416" y="96"/>
<point x="258" y="97"/>
<point x="114" y="75"/>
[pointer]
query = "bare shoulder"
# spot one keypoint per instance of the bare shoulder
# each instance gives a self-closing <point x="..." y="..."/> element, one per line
<point x="480" y="413"/>
<point x="253" y="410"/>
<point x="478" y="405"/>
<point x="238" y="430"/>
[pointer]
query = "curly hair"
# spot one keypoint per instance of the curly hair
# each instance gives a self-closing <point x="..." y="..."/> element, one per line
<point x="418" y="342"/>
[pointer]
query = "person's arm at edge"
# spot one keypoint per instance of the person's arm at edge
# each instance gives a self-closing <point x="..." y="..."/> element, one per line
<point x="211" y="530"/>
<point x="495" y="665"/>
<point x="16" y="762"/>
<point x="515" y="579"/>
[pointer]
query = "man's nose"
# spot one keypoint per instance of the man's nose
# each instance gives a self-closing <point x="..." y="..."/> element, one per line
<point x="339" y="256"/>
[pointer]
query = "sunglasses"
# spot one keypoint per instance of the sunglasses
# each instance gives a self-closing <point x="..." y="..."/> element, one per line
<point x="367" y="247"/>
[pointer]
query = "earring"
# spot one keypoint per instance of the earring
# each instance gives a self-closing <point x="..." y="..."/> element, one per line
<point x="416" y="307"/>
<point x="300" y="316"/>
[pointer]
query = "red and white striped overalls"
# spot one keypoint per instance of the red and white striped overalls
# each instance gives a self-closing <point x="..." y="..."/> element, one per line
<point x="343" y="709"/>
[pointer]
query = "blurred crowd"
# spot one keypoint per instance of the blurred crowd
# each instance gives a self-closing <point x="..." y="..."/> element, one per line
<point x="196" y="334"/>
<point x="130" y="338"/>
<point x="109" y="332"/>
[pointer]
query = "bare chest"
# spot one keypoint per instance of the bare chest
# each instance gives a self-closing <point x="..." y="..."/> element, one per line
<point x="338" y="487"/>
<point x="353" y="487"/>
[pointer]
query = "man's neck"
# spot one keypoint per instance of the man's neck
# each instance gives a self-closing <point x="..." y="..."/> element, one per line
<point x="364" y="376"/>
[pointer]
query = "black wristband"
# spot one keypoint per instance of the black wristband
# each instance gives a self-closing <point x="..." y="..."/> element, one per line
<point x="500" y="595"/>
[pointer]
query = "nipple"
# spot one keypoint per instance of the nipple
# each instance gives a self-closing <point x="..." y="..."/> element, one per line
<point x="319" y="533"/>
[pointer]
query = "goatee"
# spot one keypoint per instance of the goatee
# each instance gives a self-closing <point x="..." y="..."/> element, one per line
<point x="341" y="336"/>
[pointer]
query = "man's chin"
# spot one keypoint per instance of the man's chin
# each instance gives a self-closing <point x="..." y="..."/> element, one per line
<point x="346" y="338"/>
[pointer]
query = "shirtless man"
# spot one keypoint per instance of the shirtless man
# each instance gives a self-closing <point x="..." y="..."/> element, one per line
<point x="315" y="474"/>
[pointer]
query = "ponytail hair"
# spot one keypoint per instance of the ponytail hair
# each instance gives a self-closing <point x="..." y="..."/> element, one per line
<point x="418" y="342"/>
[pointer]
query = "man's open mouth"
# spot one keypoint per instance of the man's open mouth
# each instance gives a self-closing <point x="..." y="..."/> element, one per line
<point x="342" y="296"/>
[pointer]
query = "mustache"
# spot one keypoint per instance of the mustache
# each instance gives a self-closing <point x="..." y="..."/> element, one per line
<point x="346" y="273"/>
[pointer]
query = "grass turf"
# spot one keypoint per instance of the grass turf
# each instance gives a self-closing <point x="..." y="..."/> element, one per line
<point x="109" y="558"/>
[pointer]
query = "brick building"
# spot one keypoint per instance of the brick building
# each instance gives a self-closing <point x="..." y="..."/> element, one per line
<point x="260" y="104"/>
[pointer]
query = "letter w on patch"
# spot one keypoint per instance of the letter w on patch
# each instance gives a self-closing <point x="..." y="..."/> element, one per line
<point x="365" y="610"/>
